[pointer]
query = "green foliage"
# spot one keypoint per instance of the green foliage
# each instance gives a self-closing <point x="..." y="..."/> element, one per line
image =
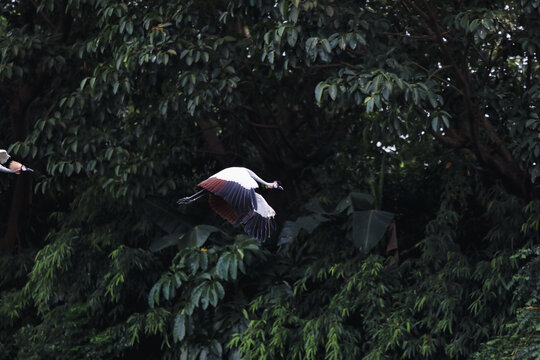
<point x="521" y="335"/>
<point x="423" y="115"/>
<point x="368" y="226"/>
<point x="342" y="304"/>
<point x="201" y="294"/>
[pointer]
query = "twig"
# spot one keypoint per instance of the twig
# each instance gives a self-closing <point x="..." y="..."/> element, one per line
<point x="453" y="141"/>
<point x="437" y="77"/>
<point x="436" y="71"/>
<point x="43" y="16"/>
<point x="252" y="123"/>
<point x="416" y="37"/>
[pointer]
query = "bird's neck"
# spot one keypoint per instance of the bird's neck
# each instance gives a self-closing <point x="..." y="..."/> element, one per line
<point x="258" y="179"/>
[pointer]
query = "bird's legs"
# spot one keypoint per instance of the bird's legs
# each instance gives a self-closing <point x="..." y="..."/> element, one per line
<point x="192" y="198"/>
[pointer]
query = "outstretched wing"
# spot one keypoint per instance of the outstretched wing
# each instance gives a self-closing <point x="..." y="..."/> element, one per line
<point x="6" y="170"/>
<point x="235" y="186"/>
<point x="4" y="157"/>
<point x="223" y="209"/>
<point x="259" y="222"/>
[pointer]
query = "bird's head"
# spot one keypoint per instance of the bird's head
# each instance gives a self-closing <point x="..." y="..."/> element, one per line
<point x="276" y="185"/>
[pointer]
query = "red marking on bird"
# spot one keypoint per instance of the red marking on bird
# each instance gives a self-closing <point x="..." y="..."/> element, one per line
<point x="213" y="184"/>
<point x="232" y="196"/>
<point x="222" y="208"/>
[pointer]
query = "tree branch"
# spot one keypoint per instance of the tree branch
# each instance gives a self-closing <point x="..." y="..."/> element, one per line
<point x="43" y="16"/>
<point x="452" y="139"/>
<point x="429" y="38"/>
<point x="214" y="143"/>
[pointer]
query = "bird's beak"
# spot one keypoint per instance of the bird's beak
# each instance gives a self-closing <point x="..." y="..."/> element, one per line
<point x="24" y="168"/>
<point x="280" y="187"/>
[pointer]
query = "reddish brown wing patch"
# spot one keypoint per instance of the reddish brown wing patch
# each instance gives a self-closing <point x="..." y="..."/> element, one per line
<point x="213" y="184"/>
<point x="223" y="209"/>
<point x="237" y="197"/>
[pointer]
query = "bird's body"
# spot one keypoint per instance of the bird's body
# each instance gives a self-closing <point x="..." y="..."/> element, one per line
<point x="232" y="196"/>
<point x="10" y="166"/>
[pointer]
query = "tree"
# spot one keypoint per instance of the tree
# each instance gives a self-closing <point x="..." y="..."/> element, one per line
<point x="430" y="107"/>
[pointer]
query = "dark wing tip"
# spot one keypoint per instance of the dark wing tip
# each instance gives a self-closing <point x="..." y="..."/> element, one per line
<point x="258" y="226"/>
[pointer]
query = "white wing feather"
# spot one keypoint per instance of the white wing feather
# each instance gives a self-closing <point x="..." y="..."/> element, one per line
<point x="4" y="156"/>
<point x="239" y="175"/>
<point x="258" y="218"/>
<point x="263" y="208"/>
<point x="259" y="223"/>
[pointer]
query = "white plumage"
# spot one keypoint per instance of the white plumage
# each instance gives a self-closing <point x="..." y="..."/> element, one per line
<point x="9" y="166"/>
<point x="4" y="157"/>
<point x="232" y="196"/>
<point x="239" y="175"/>
<point x="263" y="208"/>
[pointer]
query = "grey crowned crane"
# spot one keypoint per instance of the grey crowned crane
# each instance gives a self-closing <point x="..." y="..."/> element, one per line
<point x="232" y="196"/>
<point x="10" y="166"/>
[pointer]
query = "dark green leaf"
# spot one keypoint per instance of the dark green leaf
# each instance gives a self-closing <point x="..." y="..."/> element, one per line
<point x="179" y="330"/>
<point x="369" y="227"/>
<point x="292" y="36"/>
<point x="165" y="242"/>
<point x="197" y="236"/>
<point x="333" y="91"/>
<point x="222" y="267"/>
<point x="319" y="90"/>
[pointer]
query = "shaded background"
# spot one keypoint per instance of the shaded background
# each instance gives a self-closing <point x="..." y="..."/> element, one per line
<point x="428" y="110"/>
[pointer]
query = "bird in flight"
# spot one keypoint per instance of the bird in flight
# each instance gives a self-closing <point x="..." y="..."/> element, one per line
<point x="10" y="166"/>
<point x="232" y="196"/>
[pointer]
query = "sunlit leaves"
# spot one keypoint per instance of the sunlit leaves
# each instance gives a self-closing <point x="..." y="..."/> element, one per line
<point x="197" y="281"/>
<point x="53" y="259"/>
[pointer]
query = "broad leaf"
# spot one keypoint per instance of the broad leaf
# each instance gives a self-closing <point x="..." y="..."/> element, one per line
<point x="197" y="236"/>
<point x="362" y="201"/>
<point x="153" y="297"/>
<point x="393" y="241"/>
<point x="319" y="90"/>
<point x="292" y="228"/>
<point x="222" y="267"/>
<point x="164" y="242"/>
<point x="369" y="227"/>
<point x="315" y="207"/>
<point x="355" y="201"/>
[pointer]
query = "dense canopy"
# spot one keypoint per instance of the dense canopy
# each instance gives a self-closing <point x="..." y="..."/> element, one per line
<point x="406" y="134"/>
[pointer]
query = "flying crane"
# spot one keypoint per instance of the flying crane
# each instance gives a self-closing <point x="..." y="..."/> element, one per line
<point x="232" y="196"/>
<point x="10" y="166"/>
